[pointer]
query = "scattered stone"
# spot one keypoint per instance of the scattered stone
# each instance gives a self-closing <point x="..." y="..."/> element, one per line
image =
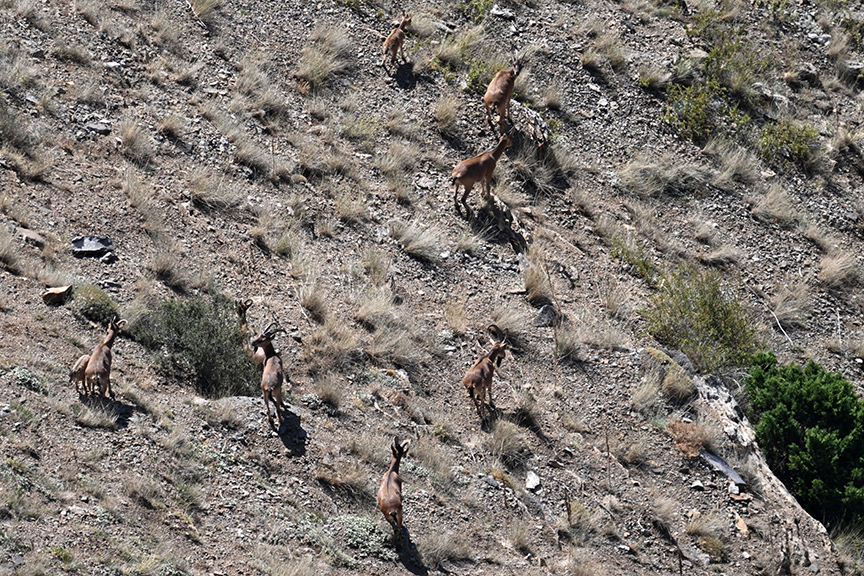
<point x="547" y="317"/>
<point x="99" y="127"/>
<point x="500" y="12"/>
<point x="532" y="481"/>
<point x="491" y="481"/>
<point x="108" y="258"/>
<point x="697" y="485"/>
<point x="91" y="245"/>
<point x="31" y="237"/>
<point x="56" y="296"/>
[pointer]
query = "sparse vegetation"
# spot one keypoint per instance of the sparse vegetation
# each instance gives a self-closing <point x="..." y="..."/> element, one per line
<point x="197" y="341"/>
<point x="421" y="243"/>
<point x="696" y="313"/>
<point x="92" y="303"/>
<point x="327" y="54"/>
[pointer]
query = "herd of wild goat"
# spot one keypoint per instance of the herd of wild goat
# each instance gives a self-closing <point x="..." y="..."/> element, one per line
<point x="94" y="369"/>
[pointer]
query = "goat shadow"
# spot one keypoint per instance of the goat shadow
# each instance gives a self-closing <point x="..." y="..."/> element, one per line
<point x="408" y="556"/>
<point x="520" y="417"/>
<point x="120" y="412"/>
<point x="291" y="433"/>
<point x="404" y="76"/>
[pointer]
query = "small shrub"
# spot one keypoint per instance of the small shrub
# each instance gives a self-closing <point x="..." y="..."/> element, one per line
<point x="198" y="341"/>
<point x="809" y="423"/>
<point x="440" y="546"/>
<point x="695" y="313"/>
<point x="788" y="143"/>
<point x="135" y="143"/>
<point x="92" y="303"/>
<point x="475" y="10"/>
<point x="97" y="415"/>
<point x="838" y="270"/>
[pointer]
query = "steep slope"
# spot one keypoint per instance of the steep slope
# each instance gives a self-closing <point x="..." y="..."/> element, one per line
<point x="261" y="152"/>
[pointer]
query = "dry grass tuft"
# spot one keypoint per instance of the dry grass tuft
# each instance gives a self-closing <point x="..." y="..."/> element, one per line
<point x="326" y="54"/>
<point x="446" y="115"/>
<point x="666" y="175"/>
<point x="314" y="300"/>
<point x="508" y="444"/>
<point x="440" y="546"/>
<point x="331" y="347"/>
<point x="98" y="414"/>
<point x="135" y="143"/>
<point x="208" y="191"/>
<point x="839" y="270"/>
<point x="776" y="207"/>
<point x="330" y="388"/>
<point x="791" y="304"/>
<point x="349" y="478"/>
<point x="421" y="243"/>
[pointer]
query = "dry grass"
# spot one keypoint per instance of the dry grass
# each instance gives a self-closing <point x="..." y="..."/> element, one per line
<point x="512" y="321"/>
<point x="330" y="388"/>
<point x="439" y="546"/>
<point x="209" y="191"/>
<point x="399" y="159"/>
<point x="614" y="297"/>
<point x="421" y="243"/>
<point x="331" y="347"/>
<point x="508" y="444"/>
<point x="171" y="126"/>
<point x="722" y="256"/>
<point x="839" y="270"/>
<point x="735" y="163"/>
<point x="398" y="124"/>
<point x="710" y="524"/>
<point x="10" y="251"/>
<point x="169" y="268"/>
<point x="446" y="115"/>
<point x="791" y="304"/>
<point x="776" y="207"/>
<point x="99" y="414"/>
<point x="315" y="301"/>
<point x="653" y="77"/>
<point x="326" y="54"/>
<point x="135" y="143"/>
<point x="376" y="264"/>
<point x="666" y="175"/>
<point x="349" y="478"/>
<point x="351" y="206"/>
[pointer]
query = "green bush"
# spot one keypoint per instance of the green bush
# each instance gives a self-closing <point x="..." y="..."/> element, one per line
<point x="810" y="425"/>
<point x="694" y="312"/>
<point x="199" y="341"/>
<point x="476" y="10"/>
<point x="788" y="143"/>
<point x="92" y="303"/>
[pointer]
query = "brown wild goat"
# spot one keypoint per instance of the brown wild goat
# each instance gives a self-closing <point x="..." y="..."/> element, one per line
<point x="499" y="92"/>
<point x="255" y="354"/>
<point x="477" y="169"/>
<point x="390" y="492"/>
<point x="478" y="379"/>
<point x="94" y="369"/>
<point x="273" y="376"/>
<point x="394" y="43"/>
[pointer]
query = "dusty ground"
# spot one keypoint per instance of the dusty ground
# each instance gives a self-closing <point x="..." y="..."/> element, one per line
<point x="243" y="181"/>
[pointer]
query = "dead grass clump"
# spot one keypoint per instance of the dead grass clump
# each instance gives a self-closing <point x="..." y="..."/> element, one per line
<point x="327" y="53"/>
<point x="440" y="546"/>
<point x="421" y="243"/>
<point x="331" y="347"/>
<point x="614" y="296"/>
<point x="144" y="490"/>
<point x="351" y="207"/>
<point x="99" y="414"/>
<point x="349" y="478"/>
<point x="135" y="143"/>
<point x="456" y="51"/>
<point x="314" y="300"/>
<point x="398" y="124"/>
<point x="513" y="322"/>
<point x="508" y="444"/>
<point x="446" y="115"/>
<point x="654" y="77"/>
<point x="666" y="175"/>
<point x="223" y="413"/>
<point x="776" y="207"/>
<point x="10" y="252"/>
<point x="208" y="191"/>
<point x="399" y="345"/>
<point x="691" y="437"/>
<point x="330" y="389"/>
<point x="791" y="304"/>
<point x="168" y="268"/>
<point x="735" y="163"/>
<point x="206" y="10"/>
<point x="71" y="53"/>
<point x="170" y="126"/>
<point x="376" y="263"/>
<point x="710" y="524"/>
<point x="839" y="270"/>
<point x="400" y="158"/>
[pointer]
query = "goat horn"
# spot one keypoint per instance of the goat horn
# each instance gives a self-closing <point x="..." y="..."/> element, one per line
<point x="497" y="332"/>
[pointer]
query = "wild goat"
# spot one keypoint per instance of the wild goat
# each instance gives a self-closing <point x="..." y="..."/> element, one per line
<point x="394" y="43"/>
<point x="95" y="368"/>
<point x="478" y="379"/>
<point x="256" y="354"/>
<point x="477" y="169"/>
<point x="499" y="92"/>
<point x="390" y="492"/>
<point x="273" y="376"/>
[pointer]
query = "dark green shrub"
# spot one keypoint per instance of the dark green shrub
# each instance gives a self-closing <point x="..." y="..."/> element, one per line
<point x="810" y="425"/>
<point x="92" y="303"/>
<point x="789" y="143"/>
<point x="695" y="313"/>
<point x="199" y="341"/>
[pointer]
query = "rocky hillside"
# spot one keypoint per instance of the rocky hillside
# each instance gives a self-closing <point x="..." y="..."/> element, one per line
<point x="234" y="150"/>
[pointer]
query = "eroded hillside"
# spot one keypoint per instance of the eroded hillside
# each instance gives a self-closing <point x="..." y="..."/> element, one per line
<point x="259" y="150"/>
